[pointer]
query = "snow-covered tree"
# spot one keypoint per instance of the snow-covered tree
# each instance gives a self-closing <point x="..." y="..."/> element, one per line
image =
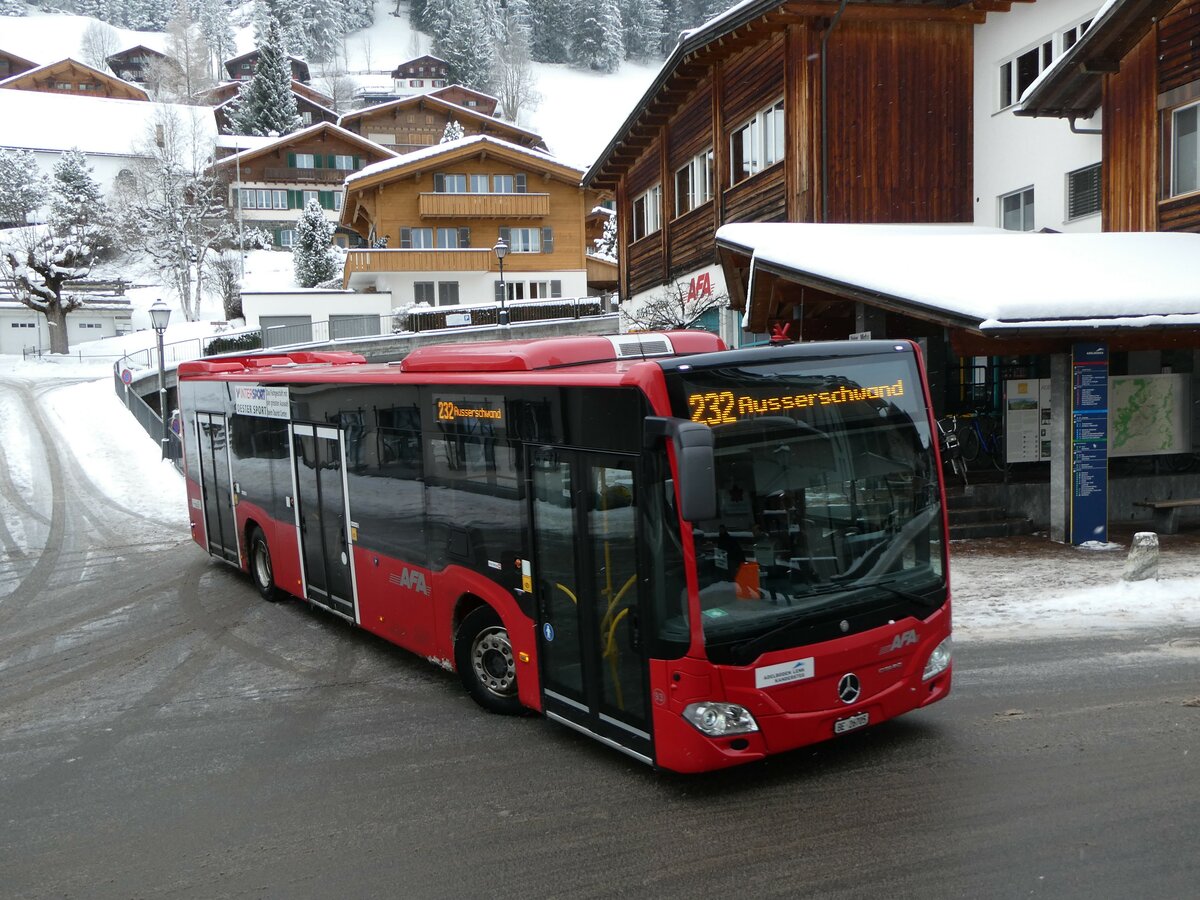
<point x="552" y="23"/>
<point x="188" y="73"/>
<point x="671" y="309"/>
<point x="642" y="24"/>
<point x="606" y="244"/>
<point x="224" y="276"/>
<point x="97" y="43"/>
<point x="313" y="256"/>
<point x="323" y="22"/>
<point x="513" y="74"/>
<point x="38" y="263"/>
<point x="265" y="104"/>
<point x="173" y="209"/>
<point x="77" y="207"/>
<point x="23" y="188"/>
<point x="212" y="17"/>
<point x="12" y="8"/>
<point x="334" y="83"/>
<point x="453" y="131"/>
<point x="96" y="9"/>
<point x="599" y="42"/>
<point x="467" y="41"/>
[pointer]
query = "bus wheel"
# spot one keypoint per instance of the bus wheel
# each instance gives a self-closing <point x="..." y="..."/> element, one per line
<point x="260" y="567"/>
<point x="486" y="663"/>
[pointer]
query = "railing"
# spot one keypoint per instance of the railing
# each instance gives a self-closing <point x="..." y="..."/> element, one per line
<point x="324" y="176"/>
<point x="149" y="419"/>
<point x="482" y="206"/>
<point x="361" y="261"/>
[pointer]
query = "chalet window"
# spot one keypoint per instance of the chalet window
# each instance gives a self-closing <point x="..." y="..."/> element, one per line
<point x="693" y="183"/>
<point x="1071" y="36"/>
<point x="543" y="290"/>
<point x="447" y="293"/>
<point x="438" y="82"/>
<point x="479" y="184"/>
<point x="647" y="213"/>
<point x="287" y="237"/>
<point x="423" y="292"/>
<point x="528" y="240"/>
<point x="757" y="144"/>
<point x="508" y="184"/>
<point x="449" y="184"/>
<point x="1083" y="192"/>
<point x="1185" y="150"/>
<point x="416" y="239"/>
<point x="305" y="161"/>
<point x="305" y="196"/>
<point x="1016" y="210"/>
<point x="513" y="290"/>
<point x="1019" y="72"/>
<point x="345" y="163"/>
<point x="306" y="118"/>
<point x="62" y="85"/>
<point x="416" y="82"/>
<point x="447" y="238"/>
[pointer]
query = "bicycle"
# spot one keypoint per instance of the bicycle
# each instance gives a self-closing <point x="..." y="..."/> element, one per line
<point x="950" y="447"/>
<point x="980" y="432"/>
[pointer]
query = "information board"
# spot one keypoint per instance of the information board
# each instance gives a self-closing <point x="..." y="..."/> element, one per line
<point x="1089" y="443"/>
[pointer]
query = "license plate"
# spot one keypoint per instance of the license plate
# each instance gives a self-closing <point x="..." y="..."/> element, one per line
<point x="841" y="726"/>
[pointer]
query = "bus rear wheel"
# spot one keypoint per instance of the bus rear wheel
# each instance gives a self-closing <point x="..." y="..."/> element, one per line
<point x="486" y="663"/>
<point x="260" y="567"/>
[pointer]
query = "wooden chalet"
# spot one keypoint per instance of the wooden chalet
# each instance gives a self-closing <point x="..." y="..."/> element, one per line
<point x="11" y="64"/>
<point x="313" y="106"/>
<point x="1139" y="64"/>
<point x="69" y="76"/>
<point x="241" y="68"/>
<point x="434" y="217"/>
<point x="482" y="103"/>
<point x="805" y="111"/>
<point x="425" y="69"/>
<point x="137" y="64"/>
<point x="414" y="123"/>
<point x="272" y="183"/>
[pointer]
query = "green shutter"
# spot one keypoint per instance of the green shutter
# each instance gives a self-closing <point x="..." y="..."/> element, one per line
<point x="318" y="161"/>
<point x="295" y="199"/>
<point x="332" y="161"/>
<point x="291" y="160"/>
<point x="357" y="162"/>
<point x="325" y="198"/>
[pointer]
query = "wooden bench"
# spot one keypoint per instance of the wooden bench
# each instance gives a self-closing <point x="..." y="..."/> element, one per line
<point x="1166" y="512"/>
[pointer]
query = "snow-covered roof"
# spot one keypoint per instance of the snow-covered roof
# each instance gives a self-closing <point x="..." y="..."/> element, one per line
<point x="69" y="62"/>
<point x="998" y="281"/>
<point x="37" y="120"/>
<point x="446" y="147"/>
<point x="42" y="39"/>
<point x="304" y="134"/>
<point x="240" y="142"/>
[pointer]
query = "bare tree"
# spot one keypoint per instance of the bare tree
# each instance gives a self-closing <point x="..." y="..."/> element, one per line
<point x="513" y="73"/>
<point x="98" y="43"/>
<point x="676" y="306"/>
<point x="224" y="271"/>
<point x="186" y="71"/>
<point x="334" y="83"/>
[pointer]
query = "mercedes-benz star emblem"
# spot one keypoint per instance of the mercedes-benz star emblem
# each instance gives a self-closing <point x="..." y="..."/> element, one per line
<point x="849" y="688"/>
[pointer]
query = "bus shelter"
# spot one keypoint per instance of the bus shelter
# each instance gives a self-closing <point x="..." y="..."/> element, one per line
<point x="1096" y="339"/>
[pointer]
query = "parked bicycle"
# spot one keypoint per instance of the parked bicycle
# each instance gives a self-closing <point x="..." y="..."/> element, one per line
<point x="950" y="447"/>
<point x="980" y="434"/>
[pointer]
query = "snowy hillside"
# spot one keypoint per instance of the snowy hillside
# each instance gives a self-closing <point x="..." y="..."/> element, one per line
<point x="578" y="114"/>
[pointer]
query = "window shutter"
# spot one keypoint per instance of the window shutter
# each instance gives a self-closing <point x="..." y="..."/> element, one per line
<point x="325" y="198"/>
<point x="357" y="162"/>
<point x="555" y="288"/>
<point x="295" y="199"/>
<point x="405" y="238"/>
<point x="318" y="161"/>
<point x="499" y="291"/>
<point x="519" y="183"/>
<point x="332" y="161"/>
<point x="464" y="238"/>
<point x="291" y="160"/>
<point x="439" y="184"/>
<point x="506" y="236"/>
<point x="1083" y="192"/>
<point x="547" y="240"/>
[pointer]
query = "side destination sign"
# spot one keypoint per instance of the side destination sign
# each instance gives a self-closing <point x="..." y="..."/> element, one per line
<point x="784" y="673"/>
<point x="256" y="400"/>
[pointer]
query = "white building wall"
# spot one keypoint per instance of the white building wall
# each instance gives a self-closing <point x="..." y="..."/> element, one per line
<point x="317" y="304"/>
<point x="477" y="288"/>
<point x="1014" y="152"/>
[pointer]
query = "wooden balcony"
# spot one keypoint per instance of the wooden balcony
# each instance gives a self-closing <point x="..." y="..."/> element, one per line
<point x="317" y="176"/>
<point x="484" y="206"/>
<point x="377" y="261"/>
<point x="601" y="271"/>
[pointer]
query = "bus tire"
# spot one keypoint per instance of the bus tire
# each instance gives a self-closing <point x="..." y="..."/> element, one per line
<point x="486" y="663"/>
<point x="260" y="567"/>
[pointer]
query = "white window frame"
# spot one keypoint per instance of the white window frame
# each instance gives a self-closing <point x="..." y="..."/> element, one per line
<point x="287" y="237"/>
<point x="343" y="162"/>
<point x="422" y="239"/>
<point x="1177" y="189"/>
<point x="1069" y="36"/>
<point x="698" y="191"/>
<point x="446" y="238"/>
<point x="525" y="240"/>
<point x="647" y="213"/>
<point x="305" y="196"/>
<point x="306" y="160"/>
<point x="758" y="143"/>
<point x="1025" y="225"/>
<point x="479" y="184"/>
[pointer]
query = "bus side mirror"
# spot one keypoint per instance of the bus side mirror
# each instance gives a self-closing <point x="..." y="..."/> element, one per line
<point x="697" y="468"/>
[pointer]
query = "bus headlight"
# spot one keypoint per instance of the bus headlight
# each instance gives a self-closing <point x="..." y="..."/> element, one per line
<point x="719" y="719"/>
<point x="938" y="661"/>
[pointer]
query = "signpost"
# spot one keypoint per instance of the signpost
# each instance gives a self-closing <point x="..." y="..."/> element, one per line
<point x="1089" y="443"/>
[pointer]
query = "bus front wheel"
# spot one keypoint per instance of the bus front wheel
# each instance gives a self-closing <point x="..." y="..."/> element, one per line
<point x="260" y="567"/>
<point x="486" y="663"/>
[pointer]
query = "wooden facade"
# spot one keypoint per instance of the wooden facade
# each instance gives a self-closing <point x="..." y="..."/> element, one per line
<point x="69" y="76"/>
<point x="11" y="64"/>
<point x="242" y="67"/>
<point x="140" y="64"/>
<point x="313" y="106"/>
<point x="484" y="104"/>
<point x="414" y="123"/>
<point x="896" y="123"/>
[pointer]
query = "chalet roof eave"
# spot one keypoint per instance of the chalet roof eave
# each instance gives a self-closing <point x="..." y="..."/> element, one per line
<point x="1071" y="88"/>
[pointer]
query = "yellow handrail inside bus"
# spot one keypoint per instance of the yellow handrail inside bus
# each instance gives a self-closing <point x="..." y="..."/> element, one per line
<point x="611" y="652"/>
<point x="566" y="590"/>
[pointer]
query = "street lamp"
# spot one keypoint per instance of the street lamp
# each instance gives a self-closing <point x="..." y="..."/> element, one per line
<point x="160" y="315"/>
<point x="501" y="251"/>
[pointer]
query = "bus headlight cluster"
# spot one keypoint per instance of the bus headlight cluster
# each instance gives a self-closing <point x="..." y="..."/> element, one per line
<point x="719" y="719"/>
<point x="939" y="659"/>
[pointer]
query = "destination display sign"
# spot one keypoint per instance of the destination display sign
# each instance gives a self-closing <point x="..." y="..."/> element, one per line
<point x="724" y="407"/>
<point x="470" y="409"/>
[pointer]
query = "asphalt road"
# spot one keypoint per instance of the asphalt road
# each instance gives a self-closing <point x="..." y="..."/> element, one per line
<point x="166" y="733"/>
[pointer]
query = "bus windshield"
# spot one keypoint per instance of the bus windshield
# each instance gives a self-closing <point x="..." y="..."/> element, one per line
<point x="828" y="501"/>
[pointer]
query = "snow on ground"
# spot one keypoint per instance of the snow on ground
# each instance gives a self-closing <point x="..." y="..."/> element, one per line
<point x="45" y="39"/>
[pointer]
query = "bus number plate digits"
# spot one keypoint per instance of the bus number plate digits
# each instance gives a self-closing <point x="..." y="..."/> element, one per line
<point x="841" y="726"/>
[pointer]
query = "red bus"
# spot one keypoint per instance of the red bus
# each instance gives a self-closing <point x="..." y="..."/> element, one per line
<point x="697" y="556"/>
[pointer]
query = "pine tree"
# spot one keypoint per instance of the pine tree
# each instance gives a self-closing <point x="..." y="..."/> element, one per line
<point x="454" y="132"/>
<point x="467" y="44"/>
<point x="77" y="206"/>
<point x="12" y="8"/>
<point x="314" y="258"/>
<point x="265" y="104"/>
<point x="188" y="74"/>
<point x="213" y="18"/>
<point x="598" y="41"/>
<point x="642" y="24"/>
<point x="23" y="188"/>
<point x="323" y="22"/>
<point x="552" y="23"/>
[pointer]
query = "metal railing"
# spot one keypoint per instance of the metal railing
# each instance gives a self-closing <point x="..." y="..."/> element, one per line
<point x="149" y="419"/>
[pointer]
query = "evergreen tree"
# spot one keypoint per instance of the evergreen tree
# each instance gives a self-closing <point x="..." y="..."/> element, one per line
<point x="188" y="75"/>
<point x="598" y="42"/>
<point x="23" y="187"/>
<point x="323" y="22"/>
<point x="77" y="207"/>
<point x="212" y="16"/>
<point x="12" y="8"/>
<point x="467" y="44"/>
<point x="314" y="258"/>
<point x="552" y="22"/>
<point x="454" y="132"/>
<point x="265" y="104"/>
<point x="642" y="23"/>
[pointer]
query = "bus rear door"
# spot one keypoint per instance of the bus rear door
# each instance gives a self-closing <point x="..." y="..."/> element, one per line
<point x="216" y="486"/>
<point x="323" y="518"/>
<point x="593" y="667"/>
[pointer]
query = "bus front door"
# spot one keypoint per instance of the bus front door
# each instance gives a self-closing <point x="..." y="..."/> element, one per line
<point x="593" y="668"/>
<point x="216" y="486"/>
<point x="323" y="518"/>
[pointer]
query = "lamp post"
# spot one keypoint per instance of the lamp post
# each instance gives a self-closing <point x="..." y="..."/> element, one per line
<point x="501" y="251"/>
<point x="160" y="315"/>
